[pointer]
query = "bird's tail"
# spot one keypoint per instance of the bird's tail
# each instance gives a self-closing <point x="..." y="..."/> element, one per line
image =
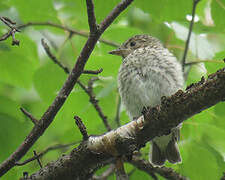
<point x="165" y="148"/>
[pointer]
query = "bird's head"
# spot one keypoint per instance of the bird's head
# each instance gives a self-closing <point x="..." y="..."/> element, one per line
<point x="136" y="42"/>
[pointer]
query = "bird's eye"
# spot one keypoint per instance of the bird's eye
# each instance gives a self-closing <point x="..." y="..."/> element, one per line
<point x="132" y="43"/>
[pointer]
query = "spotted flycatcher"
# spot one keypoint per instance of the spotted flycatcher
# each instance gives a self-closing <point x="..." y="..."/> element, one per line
<point x="148" y="72"/>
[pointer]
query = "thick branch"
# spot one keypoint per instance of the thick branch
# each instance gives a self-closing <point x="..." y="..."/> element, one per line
<point x="91" y="17"/>
<point x="100" y="150"/>
<point x="53" y="109"/>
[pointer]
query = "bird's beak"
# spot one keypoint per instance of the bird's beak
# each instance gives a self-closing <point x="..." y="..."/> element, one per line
<point x="118" y="52"/>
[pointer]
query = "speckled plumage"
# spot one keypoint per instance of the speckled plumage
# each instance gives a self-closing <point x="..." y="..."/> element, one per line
<point x="148" y="72"/>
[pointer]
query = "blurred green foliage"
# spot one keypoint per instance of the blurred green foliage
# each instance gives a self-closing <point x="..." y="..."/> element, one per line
<point x="29" y="79"/>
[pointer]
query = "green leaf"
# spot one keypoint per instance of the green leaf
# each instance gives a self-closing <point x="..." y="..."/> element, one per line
<point x="166" y="10"/>
<point x="199" y="45"/>
<point x="7" y="135"/>
<point x="108" y="88"/>
<point x="201" y="9"/>
<point x="73" y="13"/>
<point x="218" y="14"/>
<point x="102" y="9"/>
<point x="4" y="6"/>
<point x="212" y="67"/>
<point x="198" y="162"/>
<point x="214" y="136"/>
<point x="17" y="64"/>
<point x="195" y="73"/>
<point x="16" y="69"/>
<point x="48" y="80"/>
<point x="219" y="114"/>
<point x="41" y="10"/>
<point x="220" y="55"/>
<point x="120" y="33"/>
<point x="11" y="108"/>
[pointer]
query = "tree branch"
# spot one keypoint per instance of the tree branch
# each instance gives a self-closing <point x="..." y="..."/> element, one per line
<point x="37" y="156"/>
<point x="8" y="22"/>
<point x="105" y="174"/>
<point x="53" y="109"/>
<point x="70" y="30"/>
<point x="195" y="2"/>
<point x="120" y="171"/>
<point x="94" y="101"/>
<point x="38" y="160"/>
<point x="91" y="17"/>
<point x="81" y="127"/>
<point x="157" y="121"/>
<point x="52" y="57"/>
<point x="92" y="72"/>
<point x="29" y="115"/>
<point x="115" y="12"/>
<point x="165" y="172"/>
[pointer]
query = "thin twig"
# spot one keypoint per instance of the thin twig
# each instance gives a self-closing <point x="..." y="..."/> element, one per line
<point x="90" y="84"/>
<point x="165" y="172"/>
<point x="120" y="171"/>
<point x="72" y="31"/>
<point x="94" y="101"/>
<point x="29" y="115"/>
<point x="10" y="21"/>
<point x="92" y="71"/>
<point x="52" y="57"/>
<point x="51" y="40"/>
<point x="5" y="36"/>
<point x="14" y="41"/>
<point x="195" y="2"/>
<point x="38" y="160"/>
<point x="37" y="156"/>
<point x="12" y="32"/>
<point x="81" y="127"/>
<point x="91" y="17"/>
<point x="114" y="13"/>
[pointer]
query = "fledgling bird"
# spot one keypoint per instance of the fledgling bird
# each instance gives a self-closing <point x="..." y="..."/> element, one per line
<point x="148" y="72"/>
